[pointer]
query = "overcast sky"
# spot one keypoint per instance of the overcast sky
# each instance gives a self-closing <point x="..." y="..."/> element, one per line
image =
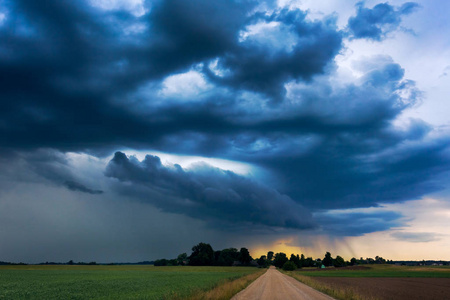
<point x="132" y="130"/>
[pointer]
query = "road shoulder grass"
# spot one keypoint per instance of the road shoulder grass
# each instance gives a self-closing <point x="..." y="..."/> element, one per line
<point x="228" y="289"/>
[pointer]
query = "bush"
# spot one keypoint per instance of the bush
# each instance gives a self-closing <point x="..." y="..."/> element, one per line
<point x="339" y="262"/>
<point x="161" y="262"/>
<point x="289" y="266"/>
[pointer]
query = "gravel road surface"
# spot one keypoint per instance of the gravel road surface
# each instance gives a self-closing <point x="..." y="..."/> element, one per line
<point x="274" y="285"/>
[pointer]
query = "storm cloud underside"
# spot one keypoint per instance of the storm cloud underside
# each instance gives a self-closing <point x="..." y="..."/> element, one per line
<point x="77" y="78"/>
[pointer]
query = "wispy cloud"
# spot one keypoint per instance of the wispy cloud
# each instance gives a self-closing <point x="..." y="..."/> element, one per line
<point x="416" y="237"/>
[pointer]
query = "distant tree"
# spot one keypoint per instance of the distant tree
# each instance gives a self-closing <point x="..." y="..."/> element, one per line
<point x="227" y="257"/>
<point x="309" y="262"/>
<point x="302" y="261"/>
<point x="353" y="261"/>
<point x="172" y="262"/>
<point x="181" y="259"/>
<point x="327" y="260"/>
<point x="244" y="256"/>
<point x="161" y="262"/>
<point x="217" y="258"/>
<point x="70" y="262"/>
<point x="280" y="259"/>
<point x="296" y="260"/>
<point x="379" y="260"/>
<point x="270" y="255"/>
<point x="202" y="255"/>
<point x="317" y="263"/>
<point x="262" y="261"/>
<point x="289" y="266"/>
<point x="339" y="262"/>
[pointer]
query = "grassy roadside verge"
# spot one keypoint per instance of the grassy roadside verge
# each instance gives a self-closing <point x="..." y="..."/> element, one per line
<point x="340" y="293"/>
<point x="227" y="289"/>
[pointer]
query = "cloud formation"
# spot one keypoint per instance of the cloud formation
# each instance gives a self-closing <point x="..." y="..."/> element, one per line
<point x="278" y="48"/>
<point x="239" y="80"/>
<point x="357" y="223"/>
<point x="222" y="198"/>
<point x="46" y="166"/>
<point x="375" y="23"/>
<point x="416" y="237"/>
<point x="76" y="186"/>
<point x="64" y="61"/>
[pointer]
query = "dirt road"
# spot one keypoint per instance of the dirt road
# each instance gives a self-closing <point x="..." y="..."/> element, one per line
<point x="274" y="285"/>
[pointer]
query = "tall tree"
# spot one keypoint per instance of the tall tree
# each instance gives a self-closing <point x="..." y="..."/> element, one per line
<point x="227" y="257"/>
<point x="309" y="262"/>
<point x="296" y="260"/>
<point x="262" y="261"/>
<point x="339" y="262"/>
<point x="327" y="260"/>
<point x="202" y="255"/>
<point x="270" y="255"/>
<point x="302" y="261"/>
<point x="280" y="259"/>
<point x="244" y="256"/>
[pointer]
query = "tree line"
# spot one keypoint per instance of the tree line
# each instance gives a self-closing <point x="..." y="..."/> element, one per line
<point x="204" y="255"/>
<point x="280" y="260"/>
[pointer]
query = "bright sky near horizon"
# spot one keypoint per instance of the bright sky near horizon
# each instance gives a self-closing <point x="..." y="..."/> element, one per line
<point x="132" y="130"/>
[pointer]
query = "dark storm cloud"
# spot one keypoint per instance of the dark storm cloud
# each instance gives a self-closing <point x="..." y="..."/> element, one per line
<point x="71" y="76"/>
<point x="356" y="224"/>
<point x="66" y="64"/>
<point x="309" y="46"/>
<point x="189" y="32"/>
<point x="43" y="165"/>
<point x="353" y="170"/>
<point x="218" y="196"/>
<point x="375" y="23"/>
<point x="335" y="147"/>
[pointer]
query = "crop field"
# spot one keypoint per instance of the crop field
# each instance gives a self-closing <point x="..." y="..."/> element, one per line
<point x="113" y="282"/>
<point x="380" y="271"/>
<point x="379" y="282"/>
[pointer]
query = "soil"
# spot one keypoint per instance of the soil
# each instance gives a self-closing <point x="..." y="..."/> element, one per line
<point x="274" y="285"/>
<point x="394" y="288"/>
<point x="331" y="269"/>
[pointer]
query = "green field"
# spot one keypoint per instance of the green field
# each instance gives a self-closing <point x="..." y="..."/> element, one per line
<point x="111" y="282"/>
<point x="383" y="271"/>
